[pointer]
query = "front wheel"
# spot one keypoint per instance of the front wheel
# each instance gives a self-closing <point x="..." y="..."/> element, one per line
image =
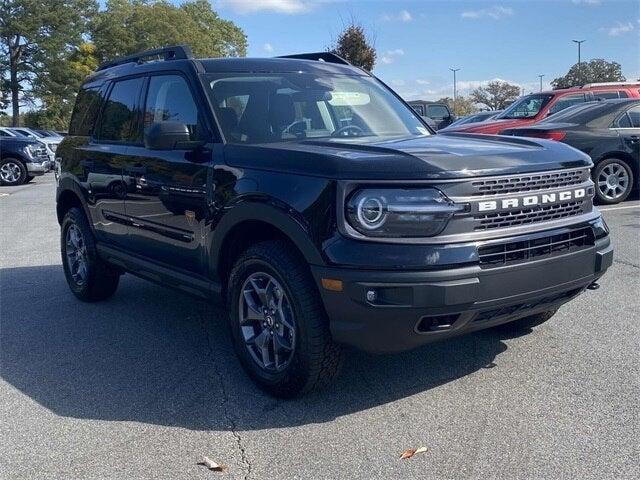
<point x="12" y="172"/>
<point x="89" y="277"/>
<point x="614" y="181"/>
<point x="279" y="328"/>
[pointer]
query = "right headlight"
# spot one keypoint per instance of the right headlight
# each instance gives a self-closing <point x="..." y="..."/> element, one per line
<point x="31" y="151"/>
<point x="400" y="212"/>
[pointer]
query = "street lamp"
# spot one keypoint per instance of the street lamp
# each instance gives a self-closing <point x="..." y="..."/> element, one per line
<point x="579" y="42"/>
<point x="540" y="76"/>
<point x="455" y="90"/>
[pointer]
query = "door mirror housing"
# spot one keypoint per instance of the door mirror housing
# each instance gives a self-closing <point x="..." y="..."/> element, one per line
<point x="169" y="136"/>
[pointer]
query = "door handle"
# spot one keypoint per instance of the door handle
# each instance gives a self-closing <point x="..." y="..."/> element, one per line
<point x="634" y="138"/>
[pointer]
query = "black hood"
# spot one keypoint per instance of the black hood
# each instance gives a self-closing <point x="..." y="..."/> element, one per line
<point x="431" y="157"/>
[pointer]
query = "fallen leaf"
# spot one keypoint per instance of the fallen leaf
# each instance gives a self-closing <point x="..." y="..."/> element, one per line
<point x="411" y="452"/>
<point x="211" y="465"/>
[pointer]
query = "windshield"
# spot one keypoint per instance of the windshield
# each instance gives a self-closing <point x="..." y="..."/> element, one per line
<point x="262" y="108"/>
<point x="526" y="107"/>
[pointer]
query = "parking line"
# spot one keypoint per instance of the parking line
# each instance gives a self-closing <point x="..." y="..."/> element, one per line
<point x="619" y="208"/>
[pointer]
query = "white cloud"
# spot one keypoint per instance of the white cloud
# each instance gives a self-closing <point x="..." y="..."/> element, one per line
<point x="422" y="82"/>
<point x="267" y="47"/>
<point x="289" y="7"/>
<point x="618" y="29"/>
<point x="585" y="2"/>
<point x="390" y="55"/>
<point x="398" y="83"/>
<point x="401" y="16"/>
<point x="496" y="12"/>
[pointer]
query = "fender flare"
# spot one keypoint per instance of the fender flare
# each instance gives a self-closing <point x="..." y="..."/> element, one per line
<point x="68" y="184"/>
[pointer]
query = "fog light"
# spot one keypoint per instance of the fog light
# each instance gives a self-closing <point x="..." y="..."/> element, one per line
<point x="372" y="296"/>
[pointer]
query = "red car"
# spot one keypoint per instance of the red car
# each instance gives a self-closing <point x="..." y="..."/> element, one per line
<point x="533" y="108"/>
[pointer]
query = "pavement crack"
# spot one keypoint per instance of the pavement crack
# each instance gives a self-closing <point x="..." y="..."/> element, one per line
<point x="229" y="417"/>
<point x="623" y="262"/>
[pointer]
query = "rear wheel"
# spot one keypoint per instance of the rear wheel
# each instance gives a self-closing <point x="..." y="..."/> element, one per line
<point x="89" y="277"/>
<point x="12" y="172"/>
<point x="614" y="181"/>
<point x="28" y="179"/>
<point x="279" y="327"/>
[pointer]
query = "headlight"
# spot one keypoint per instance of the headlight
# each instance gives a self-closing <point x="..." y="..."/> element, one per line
<point x="412" y="213"/>
<point x="31" y="151"/>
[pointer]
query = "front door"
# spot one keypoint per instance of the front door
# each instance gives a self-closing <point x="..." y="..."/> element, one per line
<point x="167" y="206"/>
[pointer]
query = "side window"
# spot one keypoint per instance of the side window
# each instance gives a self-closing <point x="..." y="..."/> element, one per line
<point x="419" y="109"/>
<point x="606" y="95"/>
<point x="169" y="100"/>
<point x="437" y="111"/>
<point x="118" y="115"/>
<point x="4" y="134"/>
<point x="623" y="94"/>
<point x="85" y="112"/>
<point x="634" y="116"/>
<point x="566" y="101"/>
<point x="624" y="121"/>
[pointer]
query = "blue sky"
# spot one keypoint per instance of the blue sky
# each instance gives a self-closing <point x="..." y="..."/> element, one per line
<point x="417" y="41"/>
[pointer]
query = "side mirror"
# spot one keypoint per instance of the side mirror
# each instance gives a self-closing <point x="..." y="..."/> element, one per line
<point x="168" y="136"/>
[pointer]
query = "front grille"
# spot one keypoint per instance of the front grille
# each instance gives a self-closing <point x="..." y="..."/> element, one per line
<point x="522" y="308"/>
<point x="524" y="216"/>
<point x="521" y="251"/>
<point x="529" y="183"/>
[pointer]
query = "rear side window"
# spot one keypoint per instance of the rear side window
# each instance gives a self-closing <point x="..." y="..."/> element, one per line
<point x="419" y="109"/>
<point x="437" y="111"/>
<point x="566" y="101"/>
<point x="629" y="119"/>
<point x="169" y="100"/>
<point x="118" y="115"/>
<point x="85" y="112"/>
<point x="606" y="95"/>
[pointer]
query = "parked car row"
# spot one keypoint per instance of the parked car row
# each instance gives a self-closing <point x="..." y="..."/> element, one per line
<point x="48" y="138"/>
<point x="22" y="159"/>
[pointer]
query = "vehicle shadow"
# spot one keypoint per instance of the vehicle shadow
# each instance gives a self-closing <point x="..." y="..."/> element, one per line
<point x="157" y="356"/>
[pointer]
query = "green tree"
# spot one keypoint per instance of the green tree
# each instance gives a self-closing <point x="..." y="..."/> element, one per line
<point x="596" y="70"/>
<point x="496" y="95"/>
<point x="36" y="36"/>
<point x="461" y="107"/>
<point x="354" y="46"/>
<point x="129" y="26"/>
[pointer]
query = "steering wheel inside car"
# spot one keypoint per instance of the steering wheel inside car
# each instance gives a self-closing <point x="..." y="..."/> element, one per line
<point x="344" y="131"/>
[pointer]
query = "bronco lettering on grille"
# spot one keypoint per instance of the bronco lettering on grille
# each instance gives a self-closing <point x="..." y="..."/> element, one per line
<point x="531" y="200"/>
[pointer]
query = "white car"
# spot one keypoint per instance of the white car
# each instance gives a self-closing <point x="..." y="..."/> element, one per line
<point x="50" y="142"/>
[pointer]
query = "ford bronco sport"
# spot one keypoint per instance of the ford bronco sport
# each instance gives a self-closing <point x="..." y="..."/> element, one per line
<point x="318" y="206"/>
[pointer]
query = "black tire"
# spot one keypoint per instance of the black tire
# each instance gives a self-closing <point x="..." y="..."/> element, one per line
<point x="315" y="360"/>
<point x="28" y="179"/>
<point x="604" y="196"/>
<point x="527" y="323"/>
<point x="101" y="278"/>
<point x="13" y="163"/>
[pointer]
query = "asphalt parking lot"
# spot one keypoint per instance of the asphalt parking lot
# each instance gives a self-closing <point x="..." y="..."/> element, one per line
<point x="145" y="384"/>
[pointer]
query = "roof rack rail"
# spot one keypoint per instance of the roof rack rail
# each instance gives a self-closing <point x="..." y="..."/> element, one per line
<point x="175" y="52"/>
<point x="328" y="57"/>
<point x="609" y="84"/>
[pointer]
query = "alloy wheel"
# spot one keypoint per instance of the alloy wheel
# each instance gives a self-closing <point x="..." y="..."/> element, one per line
<point x="613" y="181"/>
<point x="76" y="252"/>
<point x="267" y="322"/>
<point x="10" y="172"/>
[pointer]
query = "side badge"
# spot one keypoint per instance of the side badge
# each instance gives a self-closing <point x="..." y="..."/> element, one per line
<point x="191" y="216"/>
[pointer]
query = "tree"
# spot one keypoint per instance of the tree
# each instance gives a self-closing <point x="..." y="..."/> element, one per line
<point x="354" y="46"/>
<point x="129" y="26"/>
<point x="596" y="70"/>
<point x="35" y="36"/>
<point x="461" y="107"/>
<point x="496" y="95"/>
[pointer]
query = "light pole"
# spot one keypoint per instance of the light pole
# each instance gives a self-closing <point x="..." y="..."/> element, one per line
<point x="455" y="90"/>
<point x="579" y="42"/>
<point x="540" y="76"/>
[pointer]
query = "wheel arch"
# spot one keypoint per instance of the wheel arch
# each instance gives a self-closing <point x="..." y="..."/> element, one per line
<point x="68" y="196"/>
<point x="621" y="155"/>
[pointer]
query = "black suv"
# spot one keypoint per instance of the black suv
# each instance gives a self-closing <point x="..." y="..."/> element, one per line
<point x="311" y="199"/>
<point x="22" y="159"/>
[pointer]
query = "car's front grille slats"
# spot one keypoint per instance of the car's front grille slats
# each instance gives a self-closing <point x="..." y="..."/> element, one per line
<point x="496" y="255"/>
<point x="542" y="213"/>
<point x="528" y="183"/>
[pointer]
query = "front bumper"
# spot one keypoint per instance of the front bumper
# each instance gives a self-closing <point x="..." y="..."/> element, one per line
<point x="36" y="169"/>
<point x="413" y="308"/>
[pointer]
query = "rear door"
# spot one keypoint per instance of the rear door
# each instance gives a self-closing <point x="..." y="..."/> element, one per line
<point x="101" y="161"/>
<point x="566" y="101"/>
<point x="628" y="127"/>
<point x="168" y="204"/>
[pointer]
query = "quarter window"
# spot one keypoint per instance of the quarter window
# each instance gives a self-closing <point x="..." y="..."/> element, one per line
<point x="85" y="112"/>
<point x="118" y="116"/>
<point x="169" y="100"/>
<point x="634" y="117"/>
